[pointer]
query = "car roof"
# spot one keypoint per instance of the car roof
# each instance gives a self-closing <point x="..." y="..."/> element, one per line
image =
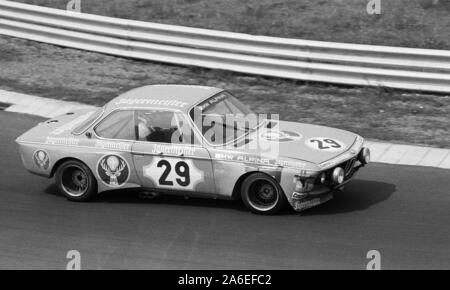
<point x="178" y="97"/>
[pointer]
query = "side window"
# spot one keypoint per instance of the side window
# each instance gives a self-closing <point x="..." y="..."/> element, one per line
<point x="220" y="108"/>
<point x="185" y="134"/>
<point x="163" y="127"/>
<point x="118" y="125"/>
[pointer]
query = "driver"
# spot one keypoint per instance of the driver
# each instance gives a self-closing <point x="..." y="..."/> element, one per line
<point x="147" y="132"/>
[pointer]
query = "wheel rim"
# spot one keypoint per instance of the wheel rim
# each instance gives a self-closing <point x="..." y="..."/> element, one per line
<point x="263" y="195"/>
<point x="74" y="181"/>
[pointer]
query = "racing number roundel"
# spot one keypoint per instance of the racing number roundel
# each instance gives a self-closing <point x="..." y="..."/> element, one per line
<point x="173" y="173"/>
<point x="325" y="144"/>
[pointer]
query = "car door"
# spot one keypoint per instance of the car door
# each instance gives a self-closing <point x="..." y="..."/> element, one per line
<point x="167" y="155"/>
<point x="109" y="153"/>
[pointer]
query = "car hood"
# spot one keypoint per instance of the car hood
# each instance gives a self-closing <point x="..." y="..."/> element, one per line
<point x="58" y="127"/>
<point x="301" y="142"/>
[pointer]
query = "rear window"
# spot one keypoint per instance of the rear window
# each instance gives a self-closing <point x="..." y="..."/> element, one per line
<point x="118" y="125"/>
<point x="86" y="124"/>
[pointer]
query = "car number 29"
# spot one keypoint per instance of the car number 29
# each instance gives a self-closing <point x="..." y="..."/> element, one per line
<point x="173" y="173"/>
<point x="181" y="169"/>
<point x="325" y="144"/>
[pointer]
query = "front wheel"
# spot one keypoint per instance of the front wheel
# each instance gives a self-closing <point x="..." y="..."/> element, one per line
<point x="262" y="194"/>
<point x="76" y="181"/>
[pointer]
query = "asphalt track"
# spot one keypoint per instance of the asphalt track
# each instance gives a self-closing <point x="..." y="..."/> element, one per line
<point x="401" y="211"/>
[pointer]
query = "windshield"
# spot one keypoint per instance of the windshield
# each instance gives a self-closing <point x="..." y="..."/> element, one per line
<point x="223" y="118"/>
<point x="86" y="124"/>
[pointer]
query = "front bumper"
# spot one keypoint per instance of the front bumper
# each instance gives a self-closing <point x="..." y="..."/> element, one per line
<point x="311" y="201"/>
<point x="321" y="193"/>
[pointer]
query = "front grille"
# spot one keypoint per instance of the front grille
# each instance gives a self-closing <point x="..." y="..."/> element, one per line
<point x="349" y="171"/>
<point x="348" y="166"/>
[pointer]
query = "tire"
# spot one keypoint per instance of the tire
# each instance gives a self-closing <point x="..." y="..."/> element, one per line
<point x="262" y="194"/>
<point x="75" y="181"/>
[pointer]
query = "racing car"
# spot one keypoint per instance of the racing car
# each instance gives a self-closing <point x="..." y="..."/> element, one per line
<point x="177" y="139"/>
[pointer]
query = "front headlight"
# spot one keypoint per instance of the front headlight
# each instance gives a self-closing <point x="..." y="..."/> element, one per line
<point x="364" y="155"/>
<point x="338" y="175"/>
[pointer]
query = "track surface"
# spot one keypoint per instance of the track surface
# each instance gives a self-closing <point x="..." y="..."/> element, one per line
<point x="404" y="212"/>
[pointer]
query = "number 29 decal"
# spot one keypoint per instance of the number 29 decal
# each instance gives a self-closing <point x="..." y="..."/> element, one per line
<point x="325" y="144"/>
<point x="173" y="173"/>
<point x="181" y="169"/>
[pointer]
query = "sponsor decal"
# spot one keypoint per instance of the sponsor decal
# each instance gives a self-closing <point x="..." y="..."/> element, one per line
<point x="291" y="164"/>
<point x="111" y="145"/>
<point x="253" y="159"/>
<point x="211" y="101"/>
<point x="62" y="141"/>
<point x="113" y="170"/>
<point x="281" y="136"/>
<point x="303" y="205"/>
<point x="223" y="156"/>
<point x="71" y="125"/>
<point x="173" y="173"/>
<point x="175" y="150"/>
<point x="244" y="158"/>
<point x="168" y="103"/>
<point x="307" y="204"/>
<point x="325" y="144"/>
<point x="41" y="159"/>
<point x="259" y="160"/>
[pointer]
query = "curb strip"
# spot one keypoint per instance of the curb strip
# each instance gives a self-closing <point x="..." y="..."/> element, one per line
<point x="381" y="152"/>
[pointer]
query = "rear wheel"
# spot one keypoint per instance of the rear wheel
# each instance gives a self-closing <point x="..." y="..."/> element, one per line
<point x="76" y="181"/>
<point x="262" y="194"/>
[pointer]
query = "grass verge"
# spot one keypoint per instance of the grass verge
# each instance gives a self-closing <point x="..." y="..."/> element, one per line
<point x="409" y="23"/>
<point x="69" y="74"/>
